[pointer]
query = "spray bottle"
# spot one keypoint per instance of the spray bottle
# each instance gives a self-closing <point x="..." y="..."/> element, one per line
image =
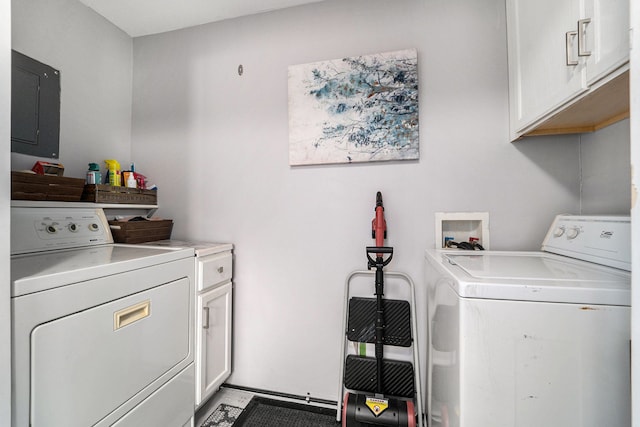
<point x="113" y="172"/>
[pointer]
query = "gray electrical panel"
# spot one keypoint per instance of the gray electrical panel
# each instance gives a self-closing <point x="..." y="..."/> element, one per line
<point x="35" y="107"/>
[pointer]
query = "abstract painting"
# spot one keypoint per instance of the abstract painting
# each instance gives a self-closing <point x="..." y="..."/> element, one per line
<point x="357" y="109"/>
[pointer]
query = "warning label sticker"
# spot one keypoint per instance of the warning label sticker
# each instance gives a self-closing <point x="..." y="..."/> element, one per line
<point x="377" y="406"/>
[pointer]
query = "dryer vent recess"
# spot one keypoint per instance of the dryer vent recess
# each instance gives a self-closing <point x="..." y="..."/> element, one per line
<point x="461" y="226"/>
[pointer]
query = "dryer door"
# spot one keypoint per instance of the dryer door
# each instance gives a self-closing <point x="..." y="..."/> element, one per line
<point x="85" y="365"/>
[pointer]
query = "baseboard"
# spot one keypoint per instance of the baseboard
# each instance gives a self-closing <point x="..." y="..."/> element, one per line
<point x="283" y="396"/>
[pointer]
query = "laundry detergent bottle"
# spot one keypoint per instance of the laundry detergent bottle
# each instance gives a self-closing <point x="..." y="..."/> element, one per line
<point x="93" y="174"/>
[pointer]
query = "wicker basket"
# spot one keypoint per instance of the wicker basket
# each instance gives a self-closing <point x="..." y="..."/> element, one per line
<point x="29" y="186"/>
<point x="141" y="231"/>
<point x="100" y="193"/>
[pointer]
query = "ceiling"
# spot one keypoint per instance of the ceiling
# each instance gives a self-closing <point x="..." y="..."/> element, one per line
<point x="143" y="17"/>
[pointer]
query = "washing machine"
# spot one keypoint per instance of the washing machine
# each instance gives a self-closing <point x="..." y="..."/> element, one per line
<point x="102" y="333"/>
<point x="533" y="338"/>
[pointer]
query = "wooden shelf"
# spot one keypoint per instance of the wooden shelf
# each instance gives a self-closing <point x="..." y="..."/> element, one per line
<point x="47" y="204"/>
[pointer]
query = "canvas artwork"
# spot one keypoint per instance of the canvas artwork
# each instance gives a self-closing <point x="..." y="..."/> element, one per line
<point x="357" y="109"/>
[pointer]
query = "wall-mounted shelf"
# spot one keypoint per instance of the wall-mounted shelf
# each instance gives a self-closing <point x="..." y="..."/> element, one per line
<point x="111" y="209"/>
<point x="49" y="204"/>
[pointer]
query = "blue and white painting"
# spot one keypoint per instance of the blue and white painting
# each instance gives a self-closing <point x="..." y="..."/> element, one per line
<point x="358" y="109"/>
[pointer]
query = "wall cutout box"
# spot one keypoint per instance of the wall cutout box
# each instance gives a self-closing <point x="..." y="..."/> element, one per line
<point x="461" y="226"/>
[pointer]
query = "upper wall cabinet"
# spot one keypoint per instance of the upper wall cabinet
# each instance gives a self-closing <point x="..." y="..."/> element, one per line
<point x="568" y="65"/>
<point x="603" y="37"/>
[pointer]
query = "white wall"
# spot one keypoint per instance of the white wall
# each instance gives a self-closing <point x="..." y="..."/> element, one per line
<point x="217" y="146"/>
<point x="605" y="170"/>
<point x="5" y="135"/>
<point x="95" y="62"/>
<point x="635" y="209"/>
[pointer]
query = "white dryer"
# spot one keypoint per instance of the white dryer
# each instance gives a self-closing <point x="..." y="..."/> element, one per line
<point x="102" y="333"/>
<point x="533" y="338"/>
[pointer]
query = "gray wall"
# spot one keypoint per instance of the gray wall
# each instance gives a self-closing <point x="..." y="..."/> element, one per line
<point x="5" y="134"/>
<point x="606" y="170"/>
<point x="95" y="63"/>
<point x="217" y="146"/>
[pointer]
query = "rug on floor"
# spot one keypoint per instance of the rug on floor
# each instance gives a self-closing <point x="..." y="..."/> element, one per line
<point x="223" y="416"/>
<point x="263" y="412"/>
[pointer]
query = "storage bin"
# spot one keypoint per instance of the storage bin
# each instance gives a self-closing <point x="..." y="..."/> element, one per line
<point x="29" y="186"/>
<point x="100" y="193"/>
<point x="141" y="231"/>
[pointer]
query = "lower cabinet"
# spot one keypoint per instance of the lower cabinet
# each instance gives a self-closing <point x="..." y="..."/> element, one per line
<point x="213" y="339"/>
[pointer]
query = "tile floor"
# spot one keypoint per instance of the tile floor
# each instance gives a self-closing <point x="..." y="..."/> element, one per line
<point x="229" y="396"/>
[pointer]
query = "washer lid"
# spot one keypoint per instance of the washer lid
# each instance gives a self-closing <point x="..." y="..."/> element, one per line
<point x="536" y="276"/>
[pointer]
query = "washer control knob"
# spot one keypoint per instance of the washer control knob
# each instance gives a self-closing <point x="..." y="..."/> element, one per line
<point x="73" y="227"/>
<point x="572" y="233"/>
<point x="51" y="229"/>
<point x="93" y="226"/>
<point x="559" y="231"/>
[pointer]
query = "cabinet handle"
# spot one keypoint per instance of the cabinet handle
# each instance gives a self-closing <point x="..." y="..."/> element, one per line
<point x="582" y="51"/>
<point x="569" y="35"/>
<point x="205" y="324"/>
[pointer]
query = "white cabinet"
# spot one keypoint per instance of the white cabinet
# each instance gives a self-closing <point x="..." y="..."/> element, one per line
<point x="605" y="31"/>
<point x="539" y="76"/>
<point x="561" y="52"/>
<point x="213" y="323"/>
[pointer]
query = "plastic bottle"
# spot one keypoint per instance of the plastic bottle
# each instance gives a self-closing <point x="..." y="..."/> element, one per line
<point x="93" y="174"/>
<point x="131" y="181"/>
<point x="113" y="168"/>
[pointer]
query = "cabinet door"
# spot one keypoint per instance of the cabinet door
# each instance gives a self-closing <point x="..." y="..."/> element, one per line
<point x="606" y="36"/>
<point x="539" y="78"/>
<point x="213" y="354"/>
